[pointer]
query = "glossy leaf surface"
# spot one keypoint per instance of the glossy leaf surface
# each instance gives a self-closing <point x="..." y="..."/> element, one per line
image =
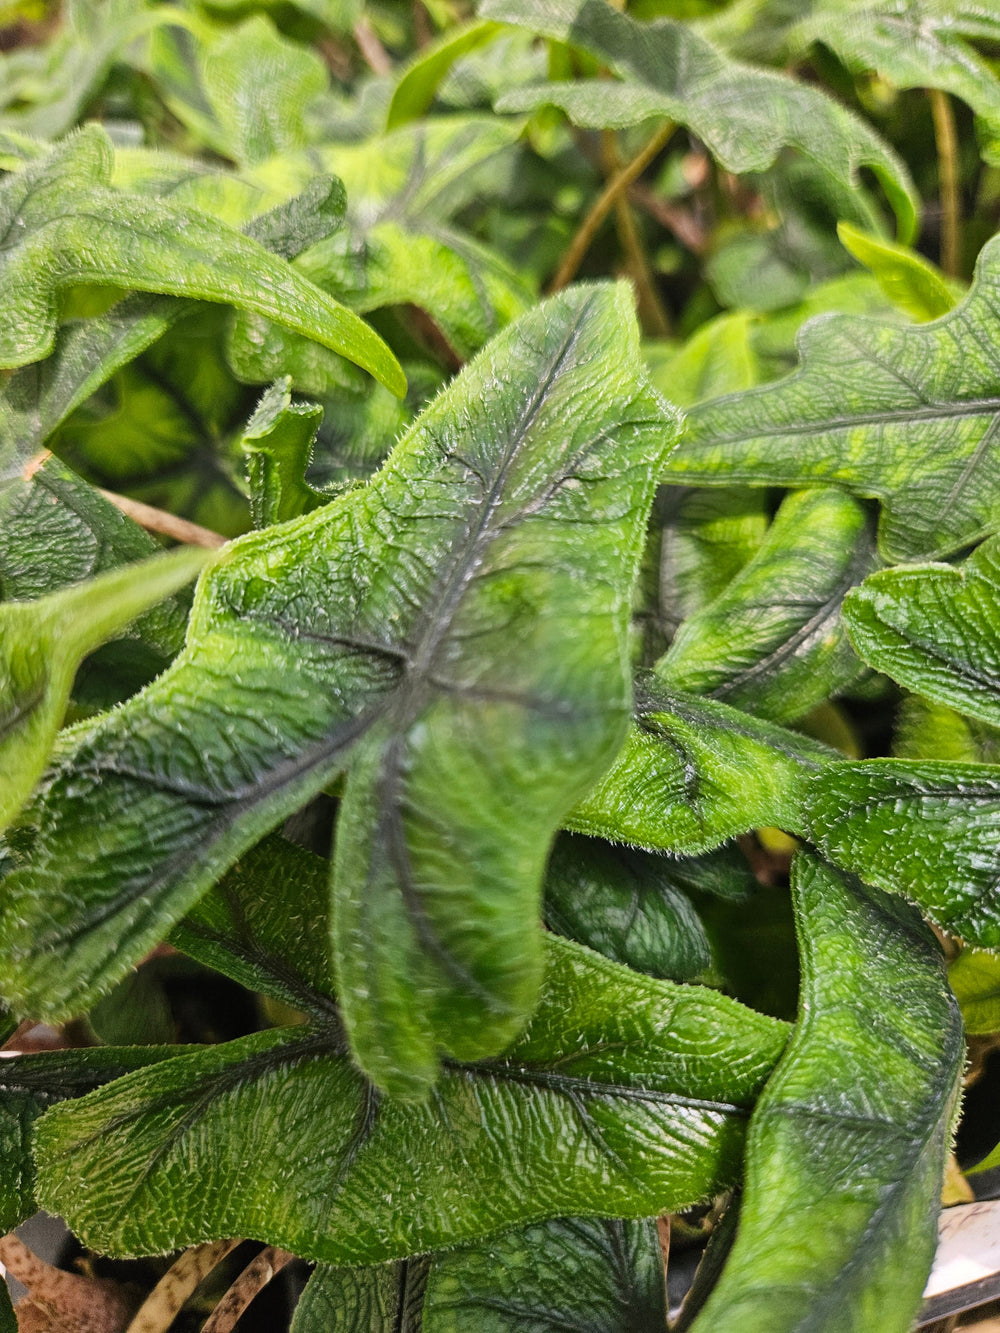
<point x="624" y="1096"/>
<point x="905" y="415"/>
<point x="71" y="227"/>
<point x="744" y="116"/>
<point x="926" y="830"/>
<point x="695" y="773"/>
<point x="413" y="613"/>
<point x="850" y="1136"/>
<point x="936" y="630"/>
<point x="772" y="642"/>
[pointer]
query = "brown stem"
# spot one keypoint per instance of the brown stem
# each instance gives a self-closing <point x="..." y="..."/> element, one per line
<point x="603" y="205"/>
<point x="681" y="224"/>
<point x="168" y="525"/>
<point x="63" y="1300"/>
<point x="377" y="58"/>
<point x="164" y="1302"/>
<point x="652" y="315"/>
<point x="946" y="139"/>
<point x="250" y="1282"/>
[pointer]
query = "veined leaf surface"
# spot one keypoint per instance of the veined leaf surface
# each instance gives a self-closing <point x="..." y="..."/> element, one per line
<point x="905" y="415"/>
<point x="417" y="630"/>
<point x="850" y="1135"/>
<point x="625" y="1096"/>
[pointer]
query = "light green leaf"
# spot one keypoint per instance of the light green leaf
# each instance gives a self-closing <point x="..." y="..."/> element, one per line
<point x="415" y="90"/>
<point x="772" y="642"/>
<point x="936" y="630"/>
<point x="244" y="91"/>
<point x="909" y="280"/>
<point x="32" y="1083"/>
<point x="847" y="1145"/>
<point x="926" y="730"/>
<point x="43" y="642"/>
<point x="628" y="905"/>
<point x="401" y="245"/>
<point x="744" y="116"/>
<point x="917" y="44"/>
<point x="278" y="444"/>
<point x="906" y="415"/>
<point x="415" y="631"/>
<point x="694" y="773"/>
<point x="719" y="358"/>
<point x="974" y="976"/>
<point x="625" y="1096"/>
<point x="71" y="227"/>
<point x="570" y="1275"/>
<point x="928" y="831"/>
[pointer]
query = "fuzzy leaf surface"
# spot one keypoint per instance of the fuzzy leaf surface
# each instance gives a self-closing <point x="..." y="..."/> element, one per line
<point x="694" y="773"/>
<point x="64" y="225"/>
<point x="928" y="831"/>
<point x="417" y="630"/>
<point x="744" y="116"/>
<point x="905" y="415"/>
<point x="625" y="1096"/>
<point x="772" y="642"/>
<point x="851" y="1133"/>
<point x="936" y="630"/>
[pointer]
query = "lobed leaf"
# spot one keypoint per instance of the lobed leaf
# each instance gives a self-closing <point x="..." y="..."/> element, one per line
<point x="925" y="830"/>
<point x="849" y="1138"/>
<point x="904" y="415"/>
<point x="936" y="630"/>
<point x="772" y="641"/>
<point x="625" y="1096"/>
<point x="694" y="773"/>
<point x="65" y="225"/>
<point x="415" y="630"/>
<point x="744" y="116"/>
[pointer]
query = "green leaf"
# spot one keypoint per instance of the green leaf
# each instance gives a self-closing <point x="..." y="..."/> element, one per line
<point x="43" y="642"/>
<point x="8" y="1319"/>
<point x="71" y="227"/>
<point x="625" y="1096"/>
<point x="772" y="642"/>
<point x="909" y="280"/>
<point x="925" y="830"/>
<point x="744" y="116"/>
<point x="926" y="730"/>
<point x="905" y="415"/>
<point x="627" y="905"/>
<point x="278" y="443"/>
<point x="847" y="1145"/>
<point x="415" y="631"/>
<point x="974" y="976"/>
<point x="719" y="358"/>
<point x="32" y="1083"/>
<point x="916" y="44"/>
<point x="401" y="245"/>
<point x="694" y="773"/>
<point x="244" y="91"/>
<point x="936" y="630"/>
<point x="415" y="90"/>
<point x="570" y="1275"/>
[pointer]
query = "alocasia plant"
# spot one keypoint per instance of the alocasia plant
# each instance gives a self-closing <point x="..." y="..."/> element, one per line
<point x="425" y="896"/>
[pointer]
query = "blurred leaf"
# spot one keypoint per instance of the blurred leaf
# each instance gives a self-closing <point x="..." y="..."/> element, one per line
<point x="974" y="976"/>
<point x="925" y="730"/>
<point x="909" y="280"/>
<point x="415" y="90"/>
<point x="624" y="1096"/>
<point x="905" y="415"/>
<point x="847" y="1145"/>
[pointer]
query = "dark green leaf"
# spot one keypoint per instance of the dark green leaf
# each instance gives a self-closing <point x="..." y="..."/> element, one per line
<point x="847" y="1145"/>
<point x="744" y="116"/>
<point x="772" y="642"/>
<point x="385" y="1298"/>
<point x="906" y="415"/>
<point x="625" y="1096"/>
<point x="926" y="830"/>
<point x="433" y="625"/>
<point x="695" y="773"/>
<point x="936" y="630"/>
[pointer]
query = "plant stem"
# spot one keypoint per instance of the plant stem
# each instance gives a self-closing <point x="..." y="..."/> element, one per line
<point x="163" y="1303"/>
<point x="376" y="56"/>
<point x="167" y="525"/>
<point x="252" y="1280"/>
<point x="652" y="316"/>
<point x="76" y="1302"/>
<point x="603" y="205"/>
<point x="946" y="138"/>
